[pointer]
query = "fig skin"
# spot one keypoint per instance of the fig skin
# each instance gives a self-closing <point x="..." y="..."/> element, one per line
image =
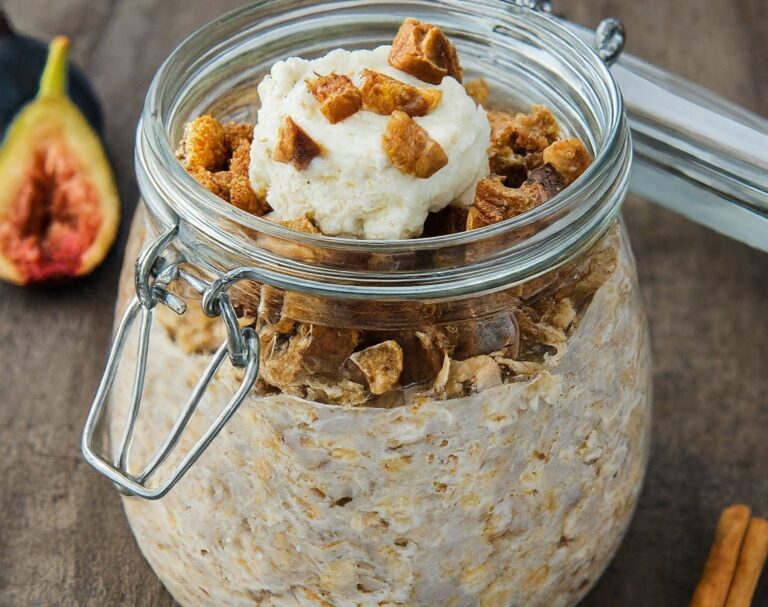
<point x="61" y="233"/>
<point x="22" y="60"/>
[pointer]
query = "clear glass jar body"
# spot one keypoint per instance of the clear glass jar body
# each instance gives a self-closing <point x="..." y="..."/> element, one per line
<point x="517" y="494"/>
<point x="502" y="467"/>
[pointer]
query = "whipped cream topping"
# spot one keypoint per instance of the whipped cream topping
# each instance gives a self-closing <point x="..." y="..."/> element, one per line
<point x="353" y="189"/>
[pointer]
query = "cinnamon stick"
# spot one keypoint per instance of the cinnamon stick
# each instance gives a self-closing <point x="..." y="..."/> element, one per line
<point x="754" y="550"/>
<point x="712" y="589"/>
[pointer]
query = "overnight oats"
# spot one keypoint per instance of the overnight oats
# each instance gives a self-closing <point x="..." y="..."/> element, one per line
<point x="426" y="428"/>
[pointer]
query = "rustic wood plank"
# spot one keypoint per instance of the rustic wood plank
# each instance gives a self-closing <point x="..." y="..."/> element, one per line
<point x="63" y="537"/>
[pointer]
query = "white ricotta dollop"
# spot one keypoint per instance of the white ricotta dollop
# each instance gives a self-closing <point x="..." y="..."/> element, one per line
<point x="353" y="189"/>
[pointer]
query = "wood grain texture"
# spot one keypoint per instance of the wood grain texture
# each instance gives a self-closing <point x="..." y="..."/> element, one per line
<point x="63" y="538"/>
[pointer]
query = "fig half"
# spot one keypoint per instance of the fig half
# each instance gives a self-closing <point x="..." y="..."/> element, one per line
<point x="59" y="206"/>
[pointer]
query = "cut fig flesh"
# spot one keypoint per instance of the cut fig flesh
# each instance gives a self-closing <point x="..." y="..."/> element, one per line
<point x="59" y="207"/>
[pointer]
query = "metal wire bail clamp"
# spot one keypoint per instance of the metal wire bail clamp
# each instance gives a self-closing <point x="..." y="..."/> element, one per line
<point x="153" y="274"/>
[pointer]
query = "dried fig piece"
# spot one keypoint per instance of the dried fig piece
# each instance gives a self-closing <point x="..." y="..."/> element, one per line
<point x="424" y="352"/>
<point x="243" y="197"/>
<point x="559" y="313"/>
<point x="240" y="158"/>
<point x="465" y="377"/>
<point x="524" y="133"/>
<point x="537" y="338"/>
<point x="293" y="351"/>
<point x="536" y="130"/>
<point x="511" y="154"/>
<point x="339" y="98"/>
<point x="204" y="145"/>
<point x="270" y="308"/>
<point x="410" y="148"/>
<point x="227" y="148"/>
<point x="381" y="364"/>
<point x="422" y="50"/>
<point x="570" y="158"/>
<point x="450" y="220"/>
<point x="509" y="165"/>
<point x="59" y="207"/>
<point x="486" y="335"/>
<point x="495" y="202"/>
<point x="241" y="194"/>
<point x="384" y="95"/>
<point x="335" y="392"/>
<point x="601" y="265"/>
<point x="516" y="368"/>
<point x="216" y="183"/>
<point x="478" y="90"/>
<point x="294" y="146"/>
<point x="302" y="224"/>
<point x="547" y="180"/>
<point x="236" y="133"/>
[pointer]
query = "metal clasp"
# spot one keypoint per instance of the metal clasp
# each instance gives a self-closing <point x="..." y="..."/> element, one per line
<point x="610" y="34"/>
<point x="153" y="274"/>
<point x="609" y="40"/>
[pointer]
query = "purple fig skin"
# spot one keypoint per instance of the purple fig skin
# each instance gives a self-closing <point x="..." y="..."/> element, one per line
<point x="22" y="60"/>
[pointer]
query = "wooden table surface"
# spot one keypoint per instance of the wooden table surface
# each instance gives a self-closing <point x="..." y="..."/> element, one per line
<point x="63" y="537"/>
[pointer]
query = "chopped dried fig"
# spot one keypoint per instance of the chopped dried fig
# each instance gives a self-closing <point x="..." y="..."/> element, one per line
<point x="450" y="220"/>
<point x="546" y="179"/>
<point x="335" y="392"/>
<point x="235" y="189"/>
<point x="339" y="98"/>
<point x="292" y="351"/>
<point x="509" y="165"/>
<point x="240" y="159"/>
<point x="204" y="144"/>
<point x="270" y="308"/>
<point x="243" y="197"/>
<point x="486" y="335"/>
<point x="559" y="313"/>
<point x="241" y="194"/>
<point x="410" y="148"/>
<point x="517" y="368"/>
<point x="216" y="183"/>
<point x="381" y="364"/>
<point x="524" y="133"/>
<point x="228" y="149"/>
<point x="478" y="90"/>
<point x="424" y="352"/>
<point x="235" y="133"/>
<point x="536" y="130"/>
<point x="422" y="50"/>
<point x="570" y="158"/>
<point x="384" y="95"/>
<point x="301" y="224"/>
<point x="537" y="337"/>
<point x="602" y="263"/>
<point x="294" y="146"/>
<point x="495" y="202"/>
<point x="465" y="377"/>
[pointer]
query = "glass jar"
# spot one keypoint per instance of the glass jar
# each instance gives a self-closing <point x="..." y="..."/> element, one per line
<point x="502" y="463"/>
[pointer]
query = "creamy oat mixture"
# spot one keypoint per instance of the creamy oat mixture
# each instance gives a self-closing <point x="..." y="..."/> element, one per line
<point x="489" y="462"/>
<point x="516" y="495"/>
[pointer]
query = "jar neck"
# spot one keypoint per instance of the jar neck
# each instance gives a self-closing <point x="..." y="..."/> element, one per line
<point x="218" y="67"/>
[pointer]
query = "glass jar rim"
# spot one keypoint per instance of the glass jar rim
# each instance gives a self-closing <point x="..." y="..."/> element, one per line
<point x="570" y="221"/>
